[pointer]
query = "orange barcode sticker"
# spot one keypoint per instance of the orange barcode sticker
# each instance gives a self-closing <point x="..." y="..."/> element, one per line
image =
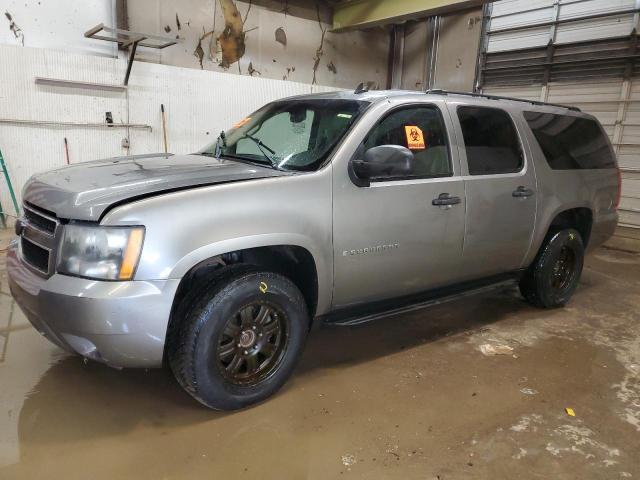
<point x="415" y="137"/>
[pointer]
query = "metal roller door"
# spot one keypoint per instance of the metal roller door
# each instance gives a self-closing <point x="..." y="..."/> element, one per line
<point x="578" y="52"/>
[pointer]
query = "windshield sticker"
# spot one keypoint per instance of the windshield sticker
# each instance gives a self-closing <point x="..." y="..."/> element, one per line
<point x="242" y="122"/>
<point x="345" y="115"/>
<point x="415" y="138"/>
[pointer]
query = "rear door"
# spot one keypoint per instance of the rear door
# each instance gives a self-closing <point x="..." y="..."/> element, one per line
<point x="389" y="238"/>
<point x="500" y="186"/>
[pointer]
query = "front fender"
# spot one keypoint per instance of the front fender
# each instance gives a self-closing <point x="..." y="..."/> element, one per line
<point x="187" y="227"/>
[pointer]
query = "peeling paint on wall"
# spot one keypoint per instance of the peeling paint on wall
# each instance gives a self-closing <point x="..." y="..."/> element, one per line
<point x="15" y="29"/>
<point x="231" y="39"/>
<point x="319" y="51"/>
<point x="281" y="36"/>
<point x="252" y="70"/>
<point x="290" y="70"/>
<point x="199" y="52"/>
<point x="221" y="38"/>
<point x="231" y="42"/>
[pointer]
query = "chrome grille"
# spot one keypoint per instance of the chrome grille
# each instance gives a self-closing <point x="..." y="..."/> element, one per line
<point x="38" y="239"/>
<point x="35" y="255"/>
<point x="40" y="221"/>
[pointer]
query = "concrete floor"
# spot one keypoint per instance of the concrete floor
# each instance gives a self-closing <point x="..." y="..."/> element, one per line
<point x="407" y="397"/>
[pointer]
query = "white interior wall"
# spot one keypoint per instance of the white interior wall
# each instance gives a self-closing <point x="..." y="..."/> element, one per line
<point x="57" y="24"/>
<point x="198" y="105"/>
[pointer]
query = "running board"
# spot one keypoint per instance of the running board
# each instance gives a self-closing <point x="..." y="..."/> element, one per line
<point x="347" y="319"/>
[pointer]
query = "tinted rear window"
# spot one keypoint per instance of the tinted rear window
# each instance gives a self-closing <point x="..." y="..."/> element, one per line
<point x="571" y="143"/>
<point x="490" y="140"/>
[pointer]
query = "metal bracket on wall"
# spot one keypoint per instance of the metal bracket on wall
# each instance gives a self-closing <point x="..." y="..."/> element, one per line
<point x="126" y="38"/>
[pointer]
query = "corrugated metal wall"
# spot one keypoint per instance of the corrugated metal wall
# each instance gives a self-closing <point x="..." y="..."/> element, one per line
<point x="198" y="104"/>
<point x="508" y="16"/>
<point x="556" y="51"/>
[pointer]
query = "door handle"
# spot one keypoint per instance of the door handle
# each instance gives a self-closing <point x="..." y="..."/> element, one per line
<point x="522" y="192"/>
<point x="445" y="199"/>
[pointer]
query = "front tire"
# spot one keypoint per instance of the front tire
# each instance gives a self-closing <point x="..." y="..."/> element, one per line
<point x="240" y="340"/>
<point x="554" y="275"/>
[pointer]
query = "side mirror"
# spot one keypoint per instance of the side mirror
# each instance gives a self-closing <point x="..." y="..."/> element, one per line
<point x="382" y="161"/>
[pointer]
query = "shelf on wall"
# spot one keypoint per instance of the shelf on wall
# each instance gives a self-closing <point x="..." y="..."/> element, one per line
<point x="58" y="82"/>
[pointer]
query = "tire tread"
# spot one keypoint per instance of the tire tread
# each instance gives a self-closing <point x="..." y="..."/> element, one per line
<point x="195" y="313"/>
<point x="531" y="284"/>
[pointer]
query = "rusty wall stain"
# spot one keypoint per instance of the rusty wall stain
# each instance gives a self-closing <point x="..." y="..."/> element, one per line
<point x="232" y="38"/>
<point x="231" y="42"/>
<point x="229" y="46"/>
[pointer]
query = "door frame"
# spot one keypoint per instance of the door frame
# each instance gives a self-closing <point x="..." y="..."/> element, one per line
<point x="342" y="184"/>
<point x="528" y="165"/>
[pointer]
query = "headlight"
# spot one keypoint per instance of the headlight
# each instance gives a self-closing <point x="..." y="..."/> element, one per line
<point x="104" y="253"/>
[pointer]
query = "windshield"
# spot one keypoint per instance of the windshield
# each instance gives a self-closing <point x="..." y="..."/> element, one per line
<point x="289" y="135"/>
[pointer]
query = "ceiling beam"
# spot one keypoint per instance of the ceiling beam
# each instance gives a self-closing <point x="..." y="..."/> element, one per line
<point x="359" y="14"/>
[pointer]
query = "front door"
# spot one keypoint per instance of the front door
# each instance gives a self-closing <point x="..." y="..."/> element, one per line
<point x="500" y="186"/>
<point x="389" y="238"/>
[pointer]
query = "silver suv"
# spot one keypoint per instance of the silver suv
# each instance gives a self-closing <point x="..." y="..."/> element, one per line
<point x="338" y="207"/>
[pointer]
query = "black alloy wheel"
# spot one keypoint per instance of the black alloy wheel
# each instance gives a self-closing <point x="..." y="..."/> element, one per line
<point x="238" y="337"/>
<point x="252" y="343"/>
<point x="563" y="269"/>
<point x="553" y="277"/>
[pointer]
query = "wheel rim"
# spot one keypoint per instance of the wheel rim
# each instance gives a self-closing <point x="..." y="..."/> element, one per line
<point x="252" y="343"/>
<point x="563" y="269"/>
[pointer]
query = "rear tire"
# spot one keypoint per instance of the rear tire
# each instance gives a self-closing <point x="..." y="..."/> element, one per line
<point x="554" y="275"/>
<point x="240" y="340"/>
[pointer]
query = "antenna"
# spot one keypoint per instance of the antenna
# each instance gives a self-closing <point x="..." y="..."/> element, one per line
<point x="361" y="88"/>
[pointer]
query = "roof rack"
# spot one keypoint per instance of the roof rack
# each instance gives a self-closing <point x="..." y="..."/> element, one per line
<point x="439" y="91"/>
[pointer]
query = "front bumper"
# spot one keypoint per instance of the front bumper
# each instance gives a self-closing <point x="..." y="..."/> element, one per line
<point x="122" y="324"/>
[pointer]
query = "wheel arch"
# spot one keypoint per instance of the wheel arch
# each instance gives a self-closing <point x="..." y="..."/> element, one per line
<point x="578" y="218"/>
<point x="296" y="262"/>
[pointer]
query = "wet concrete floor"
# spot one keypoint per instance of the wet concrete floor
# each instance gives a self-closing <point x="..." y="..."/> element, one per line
<point x="409" y="397"/>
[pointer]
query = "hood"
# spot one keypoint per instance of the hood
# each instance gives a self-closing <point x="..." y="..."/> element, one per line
<point x="85" y="191"/>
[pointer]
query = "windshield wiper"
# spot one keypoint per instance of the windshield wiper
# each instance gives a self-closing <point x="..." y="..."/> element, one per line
<point x="222" y="137"/>
<point x="262" y="147"/>
<point x="221" y="142"/>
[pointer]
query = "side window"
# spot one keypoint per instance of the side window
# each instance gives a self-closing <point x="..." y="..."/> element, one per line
<point x="570" y="143"/>
<point x="490" y="140"/>
<point x="421" y="130"/>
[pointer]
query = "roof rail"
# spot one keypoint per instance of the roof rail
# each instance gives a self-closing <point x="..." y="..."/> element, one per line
<point x="439" y="91"/>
